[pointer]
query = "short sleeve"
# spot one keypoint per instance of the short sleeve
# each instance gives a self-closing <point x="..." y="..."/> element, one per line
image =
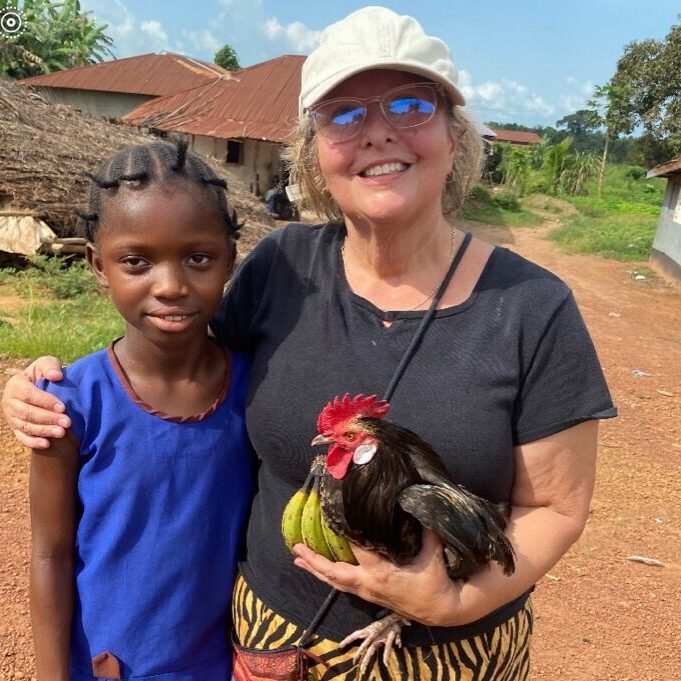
<point x="67" y="392"/>
<point x="234" y="319"/>
<point x="564" y="384"/>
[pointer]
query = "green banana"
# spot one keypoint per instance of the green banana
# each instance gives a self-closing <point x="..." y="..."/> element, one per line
<point x="302" y="521"/>
<point x="292" y="515"/>
<point x="338" y="545"/>
<point x="311" y="523"/>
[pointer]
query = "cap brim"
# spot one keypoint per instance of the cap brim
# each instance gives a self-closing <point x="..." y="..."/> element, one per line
<point x="322" y="89"/>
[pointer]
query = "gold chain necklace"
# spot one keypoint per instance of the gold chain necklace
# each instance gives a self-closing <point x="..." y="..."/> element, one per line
<point x="434" y="291"/>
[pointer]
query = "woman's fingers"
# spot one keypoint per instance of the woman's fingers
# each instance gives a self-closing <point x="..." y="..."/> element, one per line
<point x="341" y="576"/>
<point x="48" y="367"/>
<point x="33" y="414"/>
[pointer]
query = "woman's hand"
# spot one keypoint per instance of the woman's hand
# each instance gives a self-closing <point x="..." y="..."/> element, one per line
<point x="33" y="414"/>
<point x="420" y="591"/>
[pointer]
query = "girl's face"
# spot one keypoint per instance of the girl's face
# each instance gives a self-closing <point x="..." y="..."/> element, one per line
<point x="413" y="162"/>
<point x="165" y="257"/>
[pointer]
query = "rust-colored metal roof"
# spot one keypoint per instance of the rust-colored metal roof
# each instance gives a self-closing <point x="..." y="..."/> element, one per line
<point x="154" y="74"/>
<point x="258" y="102"/>
<point x="666" y="169"/>
<point x="516" y="136"/>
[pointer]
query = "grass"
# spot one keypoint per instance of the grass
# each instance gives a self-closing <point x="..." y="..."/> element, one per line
<point x="620" y="224"/>
<point x="65" y="314"/>
<point x="67" y="329"/>
<point x="498" y="208"/>
<point x="620" y="236"/>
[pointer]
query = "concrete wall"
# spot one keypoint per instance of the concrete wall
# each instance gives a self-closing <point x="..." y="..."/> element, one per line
<point x="109" y="104"/>
<point x="259" y="160"/>
<point x="666" y="253"/>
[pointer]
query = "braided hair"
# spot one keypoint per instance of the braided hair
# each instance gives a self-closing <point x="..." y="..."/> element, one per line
<point x="155" y="163"/>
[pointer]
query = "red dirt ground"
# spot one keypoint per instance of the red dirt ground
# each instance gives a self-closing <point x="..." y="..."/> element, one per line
<point x="599" y="616"/>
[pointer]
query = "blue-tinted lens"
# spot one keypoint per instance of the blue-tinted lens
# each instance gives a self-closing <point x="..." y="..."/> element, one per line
<point x="404" y="105"/>
<point x="347" y="115"/>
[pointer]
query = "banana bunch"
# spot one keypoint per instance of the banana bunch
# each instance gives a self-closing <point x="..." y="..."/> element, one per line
<point x="302" y="521"/>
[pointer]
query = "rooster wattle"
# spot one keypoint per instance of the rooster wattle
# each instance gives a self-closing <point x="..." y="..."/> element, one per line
<point x="383" y="484"/>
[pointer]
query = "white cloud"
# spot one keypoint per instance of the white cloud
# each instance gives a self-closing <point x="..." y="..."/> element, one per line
<point x="155" y="31"/>
<point x="201" y="41"/>
<point x="577" y="95"/>
<point x="131" y="35"/>
<point x="296" y="34"/>
<point x="505" y="99"/>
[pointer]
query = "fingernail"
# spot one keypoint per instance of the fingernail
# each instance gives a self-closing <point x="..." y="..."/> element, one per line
<point x="56" y="432"/>
<point x="59" y="407"/>
<point x="64" y="422"/>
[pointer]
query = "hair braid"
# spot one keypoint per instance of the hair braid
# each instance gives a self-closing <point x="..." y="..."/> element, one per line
<point x="157" y="163"/>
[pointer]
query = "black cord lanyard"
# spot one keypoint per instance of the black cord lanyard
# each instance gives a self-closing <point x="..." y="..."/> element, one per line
<point x="404" y="362"/>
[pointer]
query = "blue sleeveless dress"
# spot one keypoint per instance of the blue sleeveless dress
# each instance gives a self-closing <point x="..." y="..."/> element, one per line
<point x="164" y="503"/>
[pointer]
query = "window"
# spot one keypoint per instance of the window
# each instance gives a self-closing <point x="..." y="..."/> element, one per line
<point x="235" y="151"/>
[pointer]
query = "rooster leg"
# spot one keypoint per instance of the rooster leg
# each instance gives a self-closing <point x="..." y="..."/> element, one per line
<point x="384" y="632"/>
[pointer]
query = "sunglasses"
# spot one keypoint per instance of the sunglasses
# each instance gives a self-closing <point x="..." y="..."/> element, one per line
<point x="407" y="106"/>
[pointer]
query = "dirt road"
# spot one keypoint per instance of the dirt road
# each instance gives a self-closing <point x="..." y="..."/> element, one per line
<point x="599" y="616"/>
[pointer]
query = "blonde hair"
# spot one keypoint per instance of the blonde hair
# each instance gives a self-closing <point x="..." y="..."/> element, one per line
<point x="301" y="156"/>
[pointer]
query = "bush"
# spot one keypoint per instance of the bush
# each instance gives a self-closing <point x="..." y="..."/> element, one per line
<point x="507" y="202"/>
<point x="635" y="173"/>
<point x="479" y="193"/>
<point x="65" y="279"/>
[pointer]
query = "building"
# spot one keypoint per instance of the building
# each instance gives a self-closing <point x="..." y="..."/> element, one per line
<point x="516" y="137"/>
<point x="242" y="120"/>
<point x="113" y="88"/>
<point x="666" y="252"/>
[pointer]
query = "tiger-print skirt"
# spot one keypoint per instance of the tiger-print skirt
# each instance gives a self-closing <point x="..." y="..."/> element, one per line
<point x="500" y="655"/>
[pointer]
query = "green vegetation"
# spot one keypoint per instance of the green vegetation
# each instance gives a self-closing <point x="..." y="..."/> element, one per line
<point x="227" y="58"/>
<point x="57" y="36"/>
<point x="498" y="208"/>
<point x="619" y="224"/>
<point x="67" y="329"/>
<point x="65" y="314"/>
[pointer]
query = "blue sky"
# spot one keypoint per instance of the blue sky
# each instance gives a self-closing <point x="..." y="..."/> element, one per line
<point x="528" y="61"/>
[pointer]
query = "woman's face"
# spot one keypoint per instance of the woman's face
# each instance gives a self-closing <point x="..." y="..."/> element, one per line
<point x="407" y="168"/>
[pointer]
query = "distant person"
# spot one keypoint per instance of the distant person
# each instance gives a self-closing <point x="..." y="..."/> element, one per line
<point x="505" y="383"/>
<point x="137" y="516"/>
<point x="272" y="195"/>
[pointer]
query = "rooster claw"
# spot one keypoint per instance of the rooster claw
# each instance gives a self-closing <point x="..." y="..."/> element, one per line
<point x="384" y="632"/>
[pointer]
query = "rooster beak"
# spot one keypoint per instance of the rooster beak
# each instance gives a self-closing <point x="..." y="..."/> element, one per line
<point x="321" y="440"/>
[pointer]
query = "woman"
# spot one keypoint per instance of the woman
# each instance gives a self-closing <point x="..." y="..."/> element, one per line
<point x="505" y="384"/>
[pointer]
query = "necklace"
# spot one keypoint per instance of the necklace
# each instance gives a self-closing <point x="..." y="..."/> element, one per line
<point x="452" y="253"/>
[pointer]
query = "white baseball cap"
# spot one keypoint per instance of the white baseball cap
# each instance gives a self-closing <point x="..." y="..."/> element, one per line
<point x="375" y="38"/>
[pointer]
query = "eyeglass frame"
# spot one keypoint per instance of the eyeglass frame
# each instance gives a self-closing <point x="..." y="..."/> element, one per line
<point x="438" y="90"/>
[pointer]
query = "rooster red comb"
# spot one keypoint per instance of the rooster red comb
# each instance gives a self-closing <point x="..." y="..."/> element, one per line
<point x="342" y="409"/>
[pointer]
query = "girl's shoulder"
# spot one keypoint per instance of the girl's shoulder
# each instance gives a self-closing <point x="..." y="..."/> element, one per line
<point x="86" y="370"/>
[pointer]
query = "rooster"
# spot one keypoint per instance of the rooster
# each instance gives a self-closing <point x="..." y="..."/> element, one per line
<point x="383" y="484"/>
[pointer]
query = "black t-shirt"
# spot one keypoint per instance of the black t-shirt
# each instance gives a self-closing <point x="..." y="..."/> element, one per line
<point x="512" y="364"/>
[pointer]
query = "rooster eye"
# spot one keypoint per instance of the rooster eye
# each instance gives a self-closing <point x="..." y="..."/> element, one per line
<point x="350" y="436"/>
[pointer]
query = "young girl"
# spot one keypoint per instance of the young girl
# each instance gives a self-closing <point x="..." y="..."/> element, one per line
<point x="137" y="515"/>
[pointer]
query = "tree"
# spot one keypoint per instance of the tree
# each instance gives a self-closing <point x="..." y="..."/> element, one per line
<point x="608" y="106"/>
<point x="226" y="57"/>
<point x="58" y="36"/>
<point x="648" y="86"/>
<point x="581" y="122"/>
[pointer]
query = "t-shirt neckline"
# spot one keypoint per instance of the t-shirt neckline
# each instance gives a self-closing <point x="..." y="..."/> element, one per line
<point x="394" y="315"/>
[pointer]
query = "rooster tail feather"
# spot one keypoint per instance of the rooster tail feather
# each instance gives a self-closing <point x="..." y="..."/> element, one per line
<point x="470" y="526"/>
